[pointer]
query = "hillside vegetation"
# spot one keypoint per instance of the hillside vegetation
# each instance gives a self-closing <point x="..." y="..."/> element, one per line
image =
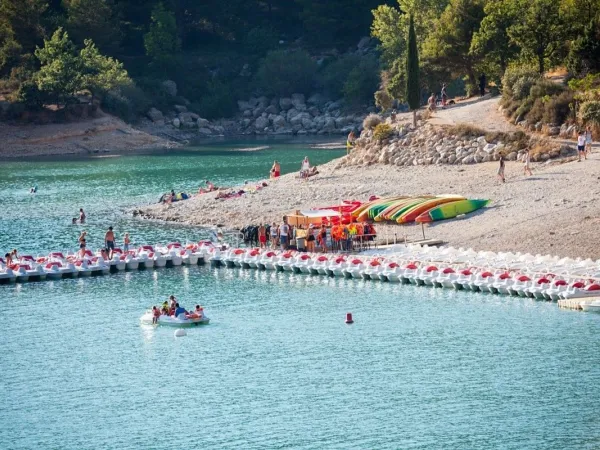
<point x="215" y="53"/>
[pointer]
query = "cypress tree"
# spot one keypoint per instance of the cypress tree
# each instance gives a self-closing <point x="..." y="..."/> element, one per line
<point x="413" y="89"/>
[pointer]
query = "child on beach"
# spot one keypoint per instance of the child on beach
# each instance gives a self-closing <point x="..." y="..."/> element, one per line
<point x="526" y="161"/>
<point x="501" y="169"/>
<point x="581" y="140"/>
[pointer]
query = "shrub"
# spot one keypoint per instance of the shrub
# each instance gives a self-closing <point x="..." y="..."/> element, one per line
<point x="283" y="73"/>
<point x="29" y="94"/>
<point x="382" y="131"/>
<point x="465" y="130"/>
<point x="558" y="109"/>
<point x="218" y="101"/>
<point x="536" y="113"/>
<point x="259" y="41"/>
<point x="524" y="108"/>
<point x="522" y="87"/>
<point x="589" y="113"/>
<point x="511" y="77"/>
<point x="543" y="88"/>
<point x="383" y="99"/>
<point x="371" y="121"/>
<point x="334" y="75"/>
<point x="128" y="103"/>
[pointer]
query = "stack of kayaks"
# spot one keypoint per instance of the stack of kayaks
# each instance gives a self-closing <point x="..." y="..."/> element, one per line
<point x="421" y="209"/>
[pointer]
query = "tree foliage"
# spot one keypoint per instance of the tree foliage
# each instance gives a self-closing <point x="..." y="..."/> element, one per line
<point x="283" y="73"/>
<point x="413" y="87"/>
<point x="162" y="42"/>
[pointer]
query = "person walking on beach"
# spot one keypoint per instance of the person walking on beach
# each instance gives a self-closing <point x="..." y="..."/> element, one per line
<point x="262" y="236"/>
<point x="526" y="161"/>
<point x="581" y="140"/>
<point x="81" y="216"/>
<point x="501" y="169"/>
<point x="109" y="242"/>
<point x="444" y="95"/>
<point x="588" y="140"/>
<point x="482" y="83"/>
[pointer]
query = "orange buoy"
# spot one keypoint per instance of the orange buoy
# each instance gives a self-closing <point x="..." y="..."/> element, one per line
<point x="349" y="318"/>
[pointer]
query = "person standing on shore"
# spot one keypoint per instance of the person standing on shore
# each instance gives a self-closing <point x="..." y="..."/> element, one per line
<point x="526" y="161"/>
<point x="284" y="231"/>
<point x="109" y="242"/>
<point x="444" y="95"/>
<point x="501" y="169"/>
<point x="588" y="140"/>
<point x="262" y="236"/>
<point x="581" y="140"/>
<point x="275" y="170"/>
<point x="274" y="235"/>
<point x="482" y="83"/>
<point x="81" y="216"/>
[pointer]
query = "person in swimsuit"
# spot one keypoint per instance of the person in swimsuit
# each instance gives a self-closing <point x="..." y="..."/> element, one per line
<point x="262" y="236"/>
<point x="8" y="259"/>
<point x="81" y="216"/>
<point x="126" y="242"/>
<point x="274" y="235"/>
<point x="304" y="168"/>
<point x="109" y="242"/>
<point x="82" y="237"/>
<point x="431" y="102"/>
<point x="501" y="169"/>
<point x="155" y="314"/>
<point x="322" y="238"/>
<point x="275" y="170"/>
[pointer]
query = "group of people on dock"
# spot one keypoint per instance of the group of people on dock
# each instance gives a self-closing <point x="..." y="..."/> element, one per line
<point x="172" y="308"/>
<point x="107" y="251"/>
<point x="309" y="237"/>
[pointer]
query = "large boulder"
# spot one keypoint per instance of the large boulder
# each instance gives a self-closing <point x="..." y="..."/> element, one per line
<point x="272" y="109"/>
<point x="244" y="106"/>
<point x="155" y="115"/>
<point x="316" y="99"/>
<point x="205" y="131"/>
<point x="180" y="108"/>
<point x="299" y="118"/>
<point x="258" y="111"/>
<point x="298" y="101"/>
<point x="170" y="87"/>
<point x="202" y="123"/>
<point x="285" y="103"/>
<point x="261" y="123"/>
<point x="307" y="123"/>
<point x="176" y="122"/>
<point x="329" y="124"/>
<point x="278" y="122"/>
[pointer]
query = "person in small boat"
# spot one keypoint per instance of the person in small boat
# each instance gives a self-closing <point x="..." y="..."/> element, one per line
<point x="179" y="310"/>
<point x="82" y="237"/>
<point x="197" y="313"/>
<point x="155" y="314"/>
<point x="104" y="254"/>
<point x="82" y="250"/>
<point x="8" y="259"/>
<point x="81" y="216"/>
<point x="109" y="241"/>
<point x="14" y="255"/>
<point x="165" y="308"/>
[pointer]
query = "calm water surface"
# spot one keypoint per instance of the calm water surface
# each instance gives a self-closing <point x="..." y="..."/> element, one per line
<point x="277" y="367"/>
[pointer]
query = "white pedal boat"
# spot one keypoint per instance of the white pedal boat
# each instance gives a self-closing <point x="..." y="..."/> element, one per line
<point x="590" y="306"/>
<point x="171" y="321"/>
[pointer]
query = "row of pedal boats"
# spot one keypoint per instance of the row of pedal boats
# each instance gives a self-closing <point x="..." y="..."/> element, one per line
<point x="517" y="282"/>
<point x="57" y="265"/>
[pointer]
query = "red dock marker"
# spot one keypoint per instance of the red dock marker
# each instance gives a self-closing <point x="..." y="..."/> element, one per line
<point x="349" y="318"/>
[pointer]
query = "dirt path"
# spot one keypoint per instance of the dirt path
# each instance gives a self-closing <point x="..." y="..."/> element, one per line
<point x="104" y="134"/>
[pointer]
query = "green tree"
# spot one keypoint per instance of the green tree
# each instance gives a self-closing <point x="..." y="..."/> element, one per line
<point x="584" y="55"/>
<point x="283" y="73"/>
<point x="448" y="46"/>
<point x="21" y="29"/>
<point x="413" y="87"/>
<point x="162" y="42"/>
<point x="388" y="28"/>
<point x="492" y="42"/>
<point x="540" y="31"/>
<point x="101" y="74"/>
<point x="95" y="20"/>
<point x="60" y="74"/>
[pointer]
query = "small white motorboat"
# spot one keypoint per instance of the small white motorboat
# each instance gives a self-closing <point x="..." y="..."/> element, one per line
<point x="170" y="321"/>
<point x="590" y="306"/>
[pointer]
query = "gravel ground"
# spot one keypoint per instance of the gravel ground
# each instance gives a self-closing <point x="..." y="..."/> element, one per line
<point x="555" y="211"/>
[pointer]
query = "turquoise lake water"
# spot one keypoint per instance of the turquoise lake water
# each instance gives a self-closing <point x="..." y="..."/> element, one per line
<point x="420" y="368"/>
